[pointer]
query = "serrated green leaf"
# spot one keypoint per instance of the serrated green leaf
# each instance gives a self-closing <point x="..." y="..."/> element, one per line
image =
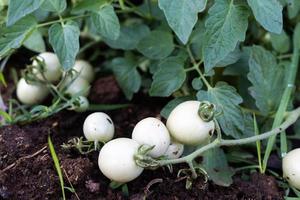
<point x="127" y="76"/>
<point x="13" y="37"/>
<point x="106" y="22"/>
<point x="18" y="9"/>
<point x="168" y="78"/>
<point x="227" y="101"/>
<point x="182" y="15"/>
<point x="268" y="13"/>
<point x="216" y="165"/>
<point x="129" y="37"/>
<point x="156" y="45"/>
<point x="267" y="79"/>
<point x="225" y="26"/>
<point x="280" y="42"/>
<point x="54" y="5"/>
<point x="35" y="42"/>
<point x="65" y="42"/>
<point x="89" y="5"/>
<point x="167" y="109"/>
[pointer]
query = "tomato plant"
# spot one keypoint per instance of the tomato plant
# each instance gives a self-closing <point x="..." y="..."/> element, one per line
<point x="228" y="68"/>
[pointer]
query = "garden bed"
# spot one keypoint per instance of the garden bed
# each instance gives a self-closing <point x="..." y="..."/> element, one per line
<point x="28" y="172"/>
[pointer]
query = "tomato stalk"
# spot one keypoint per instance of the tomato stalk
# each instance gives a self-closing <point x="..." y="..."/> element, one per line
<point x="218" y="142"/>
<point x="283" y="104"/>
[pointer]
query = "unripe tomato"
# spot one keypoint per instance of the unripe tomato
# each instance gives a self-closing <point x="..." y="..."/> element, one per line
<point x="186" y="126"/>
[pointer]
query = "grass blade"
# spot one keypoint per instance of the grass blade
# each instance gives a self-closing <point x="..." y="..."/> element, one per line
<point x="57" y="166"/>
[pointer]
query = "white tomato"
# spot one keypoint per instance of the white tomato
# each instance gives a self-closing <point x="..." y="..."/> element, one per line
<point x="186" y="126"/>
<point x="52" y="68"/>
<point x="31" y="94"/>
<point x="98" y="126"/>
<point x="291" y="168"/>
<point x="151" y="131"/>
<point x="116" y="160"/>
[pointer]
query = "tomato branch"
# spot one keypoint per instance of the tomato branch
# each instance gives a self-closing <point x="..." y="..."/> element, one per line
<point x="291" y="118"/>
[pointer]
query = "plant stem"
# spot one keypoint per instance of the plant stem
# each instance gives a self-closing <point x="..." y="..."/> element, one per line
<point x="196" y="67"/>
<point x="61" y="20"/>
<point x="291" y="118"/>
<point x="283" y="104"/>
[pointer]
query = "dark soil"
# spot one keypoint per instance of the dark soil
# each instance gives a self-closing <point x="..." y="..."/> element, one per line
<point x="27" y="169"/>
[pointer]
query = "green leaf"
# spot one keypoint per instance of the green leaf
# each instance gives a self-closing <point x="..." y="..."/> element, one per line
<point x="106" y="22"/>
<point x="13" y="37"/>
<point x="54" y="5"/>
<point x="35" y="42"/>
<point x="89" y="5"/>
<point x="129" y="37"/>
<point x="216" y="165"/>
<point x="280" y="42"/>
<point x="267" y="79"/>
<point x="127" y="76"/>
<point x="268" y="13"/>
<point x="169" y="77"/>
<point x="231" y="58"/>
<point x="18" y="9"/>
<point x="225" y="26"/>
<point x="227" y="101"/>
<point x="65" y="42"/>
<point x="156" y="45"/>
<point x="167" y="109"/>
<point x="197" y="39"/>
<point x="182" y="15"/>
<point x="293" y="8"/>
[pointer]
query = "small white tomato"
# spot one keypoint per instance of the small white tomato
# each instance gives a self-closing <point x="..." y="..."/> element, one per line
<point x="52" y="66"/>
<point x="116" y="160"/>
<point x="174" y="150"/>
<point x="85" y="70"/>
<point x="79" y="86"/>
<point x="98" y="126"/>
<point x="151" y="131"/>
<point x="186" y="126"/>
<point x="31" y="94"/>
<point x="291" y="168"/>
<point x="81" y="104"/>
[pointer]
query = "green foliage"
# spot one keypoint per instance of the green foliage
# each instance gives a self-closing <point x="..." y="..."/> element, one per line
<point x="267" y="79"/>
<point x="227" y="101"/>
<point x="129" y="36"/>
<point x="19" y="9"/>
<point x="13" y="37"/>
<point x="225" y="26"/>
<point x="169" y="77"/>
<point x="268" y="13"/>
<point x="156" y="45"/>
<point x="215" y="164"/>
<point x="54" y="5"/>
<point x="182" y="15"/>
<point x="35" y="42"/>
<point x="127" y="76"/>
<point x="106" y="22"/>
<point x="181" y="49"/>
<point x="64" y="39"/>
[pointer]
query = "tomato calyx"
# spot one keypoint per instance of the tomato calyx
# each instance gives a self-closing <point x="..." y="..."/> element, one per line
<point x="143" y="159"/>
<point x="207" y="111"/>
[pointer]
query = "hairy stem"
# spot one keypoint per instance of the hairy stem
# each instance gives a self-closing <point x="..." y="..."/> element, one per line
<point x="291" y="118"/>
